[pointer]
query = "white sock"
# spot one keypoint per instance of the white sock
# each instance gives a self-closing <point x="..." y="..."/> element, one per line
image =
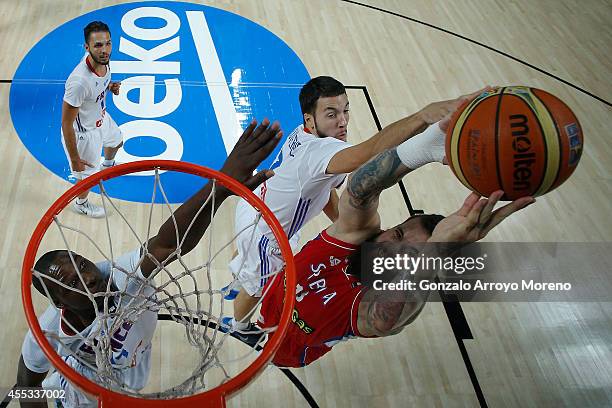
<point x="426" y="147"/>
<point x="237" y="325"/>
<point x="108" y="163"/>
<point x="81" y="201"/>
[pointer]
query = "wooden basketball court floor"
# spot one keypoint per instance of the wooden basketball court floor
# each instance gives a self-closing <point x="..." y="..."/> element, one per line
<point x="522" y="354"/>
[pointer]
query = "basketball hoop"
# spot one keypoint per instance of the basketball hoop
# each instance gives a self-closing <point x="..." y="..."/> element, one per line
<point x="214" y="397"/>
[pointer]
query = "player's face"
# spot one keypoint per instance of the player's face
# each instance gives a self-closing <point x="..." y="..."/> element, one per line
<point x="408" y="231"/>
<point x="92" y="281"/>
<point x="99" y="46"/>
<point x="331" y="117"/>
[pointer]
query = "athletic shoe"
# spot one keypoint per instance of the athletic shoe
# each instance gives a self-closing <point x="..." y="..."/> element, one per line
<point x="104" y="167"/>
<point x="89" y="209"/>
<point x="250" y="336"/>
<point x="231" y="294"/>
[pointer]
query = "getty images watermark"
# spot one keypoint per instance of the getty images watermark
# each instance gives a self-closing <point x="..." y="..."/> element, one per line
<point x="493" y="271"/>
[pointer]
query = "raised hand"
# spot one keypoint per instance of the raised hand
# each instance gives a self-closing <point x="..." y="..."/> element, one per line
<point x="255" y="144"/>
<point x="476" y="218"/>
<point x="114" y="87"/>
<point x="459" y="103"/>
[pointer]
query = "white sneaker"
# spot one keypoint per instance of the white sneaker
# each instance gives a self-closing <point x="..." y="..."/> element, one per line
<point x="104" y="167"/>
<point x="89" y="209"/>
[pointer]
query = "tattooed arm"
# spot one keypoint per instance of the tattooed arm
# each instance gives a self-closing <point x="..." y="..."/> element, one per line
<point x="358" y="215"/>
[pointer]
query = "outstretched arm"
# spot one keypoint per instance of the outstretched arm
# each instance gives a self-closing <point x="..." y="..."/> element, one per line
<point x="387" y="313"/>
<point x="69" y="114"/>
<point x="392" y="135"/>
<point x="358" y="217"/>
<point x="252" y="148"/>
<point x="358" y="208"/>
<point x="29" y="378"/>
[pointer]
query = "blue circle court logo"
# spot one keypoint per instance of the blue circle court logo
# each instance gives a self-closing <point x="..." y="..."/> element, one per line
<point x="192" y="77"/>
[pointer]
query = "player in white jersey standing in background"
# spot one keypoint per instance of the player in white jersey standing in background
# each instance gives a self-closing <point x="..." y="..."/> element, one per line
<point x="86" y="126"/>
<point x="312" y="163"/>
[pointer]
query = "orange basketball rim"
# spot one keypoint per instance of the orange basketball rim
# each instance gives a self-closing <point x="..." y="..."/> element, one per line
<point x="214" y="397"/>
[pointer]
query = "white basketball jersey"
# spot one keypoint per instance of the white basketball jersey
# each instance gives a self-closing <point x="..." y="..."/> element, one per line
<point x="300" y="188"/>
<point x="128" y="343"/>
<point x="87" y="91"/>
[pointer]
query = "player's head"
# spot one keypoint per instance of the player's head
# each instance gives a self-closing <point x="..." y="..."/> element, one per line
<point x="98" y="42"/>
<point x="325" y="107"/>
<point x="58" y="265"/>
<point x="417" y="228"/>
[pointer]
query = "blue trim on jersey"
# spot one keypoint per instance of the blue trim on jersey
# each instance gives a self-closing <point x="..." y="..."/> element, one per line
<point x="295" y="216"/>
<point x="303" y="357"/>
<point x="78" y="122"/>
<point x="264" y="263"/>
<point x="299" y="216"/>
<point x="63" y="382"/>
<point x="303" y="216"/>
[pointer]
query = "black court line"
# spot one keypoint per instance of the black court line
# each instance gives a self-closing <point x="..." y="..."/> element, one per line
<point x="488" y="47"/>
<point x="6" y="81"/>
<point x="7" y="400"/>
<point x="452" y="307"/>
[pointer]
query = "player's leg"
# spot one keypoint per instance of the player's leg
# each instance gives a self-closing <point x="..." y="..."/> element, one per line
<point x="89" y="145"/>
<point x="245" y="268"/>
<point x="264" y="261"/>
<point x="243" y="308"/>
<point x="112" y="140"/>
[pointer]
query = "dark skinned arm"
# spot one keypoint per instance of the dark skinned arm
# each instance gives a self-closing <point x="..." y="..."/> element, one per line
<point x="255" y="144"/>
<point x="29" y="378"/>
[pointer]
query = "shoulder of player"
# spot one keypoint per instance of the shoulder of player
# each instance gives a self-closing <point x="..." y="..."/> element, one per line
<point x="325" y="243"/>
<point x="127" y="261"/>
<point x="49" y="320"/>
<point x="78" y="80"/>
<point x="314" y="145"/>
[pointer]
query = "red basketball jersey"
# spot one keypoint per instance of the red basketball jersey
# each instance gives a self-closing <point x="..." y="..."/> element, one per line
<point x="326" y="302"/>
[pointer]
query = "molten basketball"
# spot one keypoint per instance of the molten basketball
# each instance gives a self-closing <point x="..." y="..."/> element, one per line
<point x="521" y="140"/>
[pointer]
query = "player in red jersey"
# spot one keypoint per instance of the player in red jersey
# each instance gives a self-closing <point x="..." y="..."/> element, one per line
<point x="331" y="303"/>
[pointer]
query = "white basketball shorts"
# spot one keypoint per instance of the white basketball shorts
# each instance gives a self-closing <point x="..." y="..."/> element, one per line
<point x="90" y="144"/>
<point x="258" y="255"/>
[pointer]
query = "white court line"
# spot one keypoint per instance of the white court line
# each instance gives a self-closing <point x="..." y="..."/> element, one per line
<point x="225" y="111"/>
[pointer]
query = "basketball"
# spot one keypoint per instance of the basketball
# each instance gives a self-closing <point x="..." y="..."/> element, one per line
<point x="518" y="139"/>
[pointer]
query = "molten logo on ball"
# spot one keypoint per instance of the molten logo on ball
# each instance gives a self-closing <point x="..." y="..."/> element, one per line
<point x="523" y="156"/>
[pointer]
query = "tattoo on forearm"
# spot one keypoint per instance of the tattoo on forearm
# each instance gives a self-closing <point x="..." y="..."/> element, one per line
<point x="381" y="172"/>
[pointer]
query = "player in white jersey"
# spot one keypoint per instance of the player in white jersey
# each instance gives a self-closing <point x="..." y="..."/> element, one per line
<point x="312" y="163"/>
<point x="73" y="315"/>
<point x="131" y="342"/>
<point x="86" y="127"/>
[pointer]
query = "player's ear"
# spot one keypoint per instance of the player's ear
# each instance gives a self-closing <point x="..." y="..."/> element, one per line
<point x="309" y="121"/>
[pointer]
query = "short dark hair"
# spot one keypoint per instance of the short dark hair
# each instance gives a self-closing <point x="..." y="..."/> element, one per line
<point x="319" y="87"/>
<point x="94" y="27"/>
<point x="42" y="266"/>
<point x="428" y="221"/>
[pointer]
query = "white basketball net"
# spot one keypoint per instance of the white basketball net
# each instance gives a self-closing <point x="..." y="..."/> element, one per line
<point x="187" y="296"/>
